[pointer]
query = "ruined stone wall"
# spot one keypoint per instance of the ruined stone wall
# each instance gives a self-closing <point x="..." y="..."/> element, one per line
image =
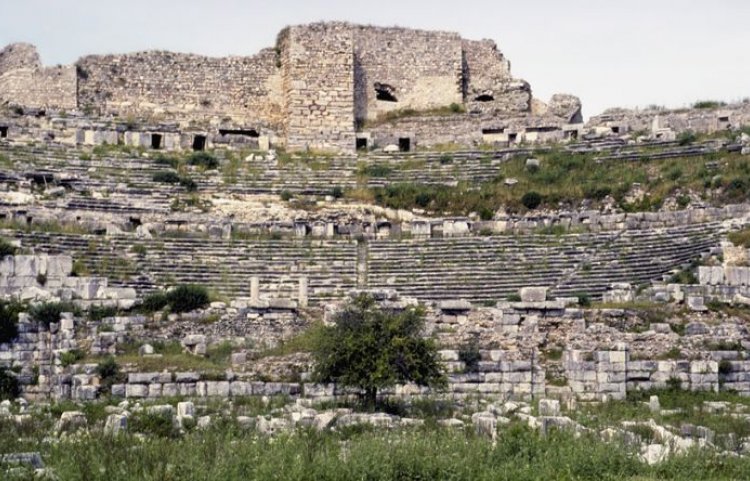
<point x="652" y="120"/>
<point x="248" y="89"/>
<point x="488" y="84"/>
<point x="423" y="68"/>
<point x="318" y="86"/>
<point x="23" y="80"/>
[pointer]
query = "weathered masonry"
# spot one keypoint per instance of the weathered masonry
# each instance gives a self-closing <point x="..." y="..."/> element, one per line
<point x="318" y="88"/>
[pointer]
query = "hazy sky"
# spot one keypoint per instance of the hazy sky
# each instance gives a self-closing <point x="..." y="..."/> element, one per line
<point x="609" y="53"/>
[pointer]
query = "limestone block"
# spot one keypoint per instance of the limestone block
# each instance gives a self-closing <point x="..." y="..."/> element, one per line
<point x="161" y="410"/>
<point x="485" y="424"/>
<point x="170" y="389"/>
<point x="26" y="266"/>
<point x="717" y="275"/>
<point x="116" y="424"/>
<point x="71" y="421"/>
<point x="549" y="407"/>
<point x="447" y="355"/>
<point x="533" y="294"/>
<point x="696" y="304"/>
<point x="118" y="390"/>
<point x="185" y="409"/>
<point x="136" y="390"/>
<point x="239" y="358"/>
<point x="654" y="405"/>
<point x="240" y="388"/>
<point x="154" y="390"/>
<point x="187" y="377"/>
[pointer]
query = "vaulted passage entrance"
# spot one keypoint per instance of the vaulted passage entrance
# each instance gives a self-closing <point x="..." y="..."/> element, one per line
<point x="156" y="141"/>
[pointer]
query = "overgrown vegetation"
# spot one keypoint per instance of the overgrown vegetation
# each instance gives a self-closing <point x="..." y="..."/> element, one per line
<point x="226" y="452"/>
<point x="740" y="238"/>
<point x="372" y="348"/>
<point x="183" y="298"/>
<point x="6" y="248"/>
<point x="394" y="115"/>
<point x="9" y="388"/>
<point x="49" y="312"/>
<point x="9" y="311"/>
<point x="567" y="179"/>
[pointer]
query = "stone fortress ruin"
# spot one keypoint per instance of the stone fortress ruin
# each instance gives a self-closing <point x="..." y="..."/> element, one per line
<point x="323" y="86"/>
<point x="267" y="179"/>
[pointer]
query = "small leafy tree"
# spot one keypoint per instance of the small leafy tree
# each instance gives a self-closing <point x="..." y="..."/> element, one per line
<point x="9" y="388"/>
<point x="188" y="297"/>
<point x="9" y="311"/>
<point x="372" y="348"/>
<point x="6" y="248"/>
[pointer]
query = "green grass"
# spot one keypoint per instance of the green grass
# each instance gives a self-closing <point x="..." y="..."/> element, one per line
<point x="395" y="115"/>
<point x="226" y="453"/>
<point x="740" y="238"/>
<point x="567" y="179"/>
<point x="688" y="406"/>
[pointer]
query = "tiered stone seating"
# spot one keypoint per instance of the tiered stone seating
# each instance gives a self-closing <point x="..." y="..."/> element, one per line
<point x="489" y="269"/>
<point x="640" y="256"/>
<point x="225" y="266"/>
<point x="476" y="269"/>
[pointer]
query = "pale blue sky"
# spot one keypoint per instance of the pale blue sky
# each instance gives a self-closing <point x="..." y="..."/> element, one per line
<point x="626" y="53"/>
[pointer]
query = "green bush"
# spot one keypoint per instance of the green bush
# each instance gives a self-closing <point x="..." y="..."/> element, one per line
<point x="157" y="425"/>
<point x="376" y="170"/>
<point x="71" y="357"/>
<point x="7" y="249"/>
<point x="584" y="300"/>
<point x="49" y="312"/>
<point x="189" y="184"/>
<point x="337" y="192"/>
<point x="187" y="298"/>
<point x="154" y="301"/>
<point x="166" y="177"/>
<point x="736" y="190"/>
<point x="686" y="138"/>
<point x="469" y="354"/>
<point x="9" y="388"/>
<point x="286" y="196"/>
<point x="708" y="104"/>
<point x="740" y="238"/>
<point x="597" y="193"/>
<point x="531" y="200"/>
<point x="97" y="313"/>
<point x="9" y="311"/>
<point x="108" y="370"/>
<point x="203" y="159"/>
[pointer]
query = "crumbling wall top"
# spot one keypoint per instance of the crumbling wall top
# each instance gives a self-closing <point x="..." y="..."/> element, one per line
<point x="19" y="55"/>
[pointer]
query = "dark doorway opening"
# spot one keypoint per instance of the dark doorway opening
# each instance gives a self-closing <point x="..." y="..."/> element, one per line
<point x="485" y="98"/>
<point x="156" y="141"/>
<point x="245" y="132"/>
<point x="361" y="144"/>
<point x="404" y="144"/>
<point x="199" y="143"/>
<point x="615" y="130"/>
<point x="512" y="138"/>
<point x="572" y="134"/>
<point x="135" y="221"/>
<point x="3" y="132"/>
<point x="385" y="92"/>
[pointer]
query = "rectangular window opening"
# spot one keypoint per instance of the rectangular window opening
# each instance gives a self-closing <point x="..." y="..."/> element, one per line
<point x="156" y="141"/>
<point x="404" y="144"/>
<point x="199" y="143"/>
